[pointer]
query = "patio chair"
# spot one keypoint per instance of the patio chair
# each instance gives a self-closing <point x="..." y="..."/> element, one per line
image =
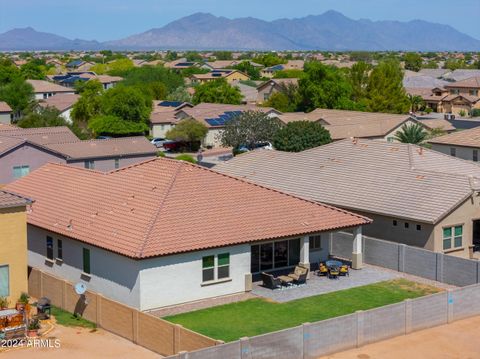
<point x="322" y="269"/>
<point x="299" y="275"/>
<point x="269" y="281"/>
<point x="333" y="273"/>
<point x="344" y="270"/>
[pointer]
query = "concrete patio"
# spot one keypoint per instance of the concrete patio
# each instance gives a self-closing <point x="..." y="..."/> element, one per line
<point x="319" y="285"/>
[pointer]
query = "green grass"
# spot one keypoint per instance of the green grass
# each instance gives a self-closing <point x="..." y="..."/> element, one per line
<point x="258" y="316"/>
<point x="69" y="320"/>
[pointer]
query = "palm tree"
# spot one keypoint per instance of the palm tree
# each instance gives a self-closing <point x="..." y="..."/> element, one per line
<point x="416" y="102"/>
<point x="411" y="134"/>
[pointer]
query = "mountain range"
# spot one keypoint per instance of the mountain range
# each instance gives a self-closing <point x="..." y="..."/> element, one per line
<point x="200" y="31"/>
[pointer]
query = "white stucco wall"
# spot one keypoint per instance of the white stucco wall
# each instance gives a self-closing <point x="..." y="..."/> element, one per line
<point x="5" y="117"/>
<point x="160" y="130"/>
<point x="112" y="275"/>
<point x="177" y="279"/>
<point x="67" y="115"/>
<point x="465" y="153"/>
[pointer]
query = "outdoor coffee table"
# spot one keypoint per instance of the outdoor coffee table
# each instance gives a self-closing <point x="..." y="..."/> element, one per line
<point x="286" y="280"/>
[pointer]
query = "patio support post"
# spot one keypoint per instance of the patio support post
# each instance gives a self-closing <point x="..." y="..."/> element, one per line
<point x="305" y="253"/>
<point x="357" y="255"/>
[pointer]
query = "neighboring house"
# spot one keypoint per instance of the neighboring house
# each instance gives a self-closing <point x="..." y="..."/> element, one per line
<point x="461" y="74"/>
<point x="6" y="114"/>
<point x="414" y="195"/>
<point x="249" y="93"/>
<point x="180" y="64"/>
<point x="214" y="116"/>
<point x="372" y="125"/>
<point x="464" y="96"/>
<point x="163" y="117"/>
<point x="63" y="103"/>
<point x="229" y="75"/>
<point x="165" y="232"/>
<point x="13" y="248"/>
<point x="25" y="150"/>
<point x="463" y="144"/>
<point x="268" y="88"/>
<point x="79" y="65"/>
<point x="269" y="72"/>
<point x="71" y="78"/>
<point x="44" y="89"/>
<point x="226" y="64"/>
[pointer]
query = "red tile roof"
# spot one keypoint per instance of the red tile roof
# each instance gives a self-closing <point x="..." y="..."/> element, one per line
<point x="4" y="107"/>
<point x="162" y="206"/>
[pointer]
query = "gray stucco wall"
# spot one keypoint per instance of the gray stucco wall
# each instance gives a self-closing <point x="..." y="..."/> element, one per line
<point x="465" y="153"/>
<point x="26" y="155"/>
<point x="5" y="117"/>
<point x="108" y="164"/>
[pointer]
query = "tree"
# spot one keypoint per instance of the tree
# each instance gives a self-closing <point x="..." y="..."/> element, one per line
<point x="411" y="134"/>
<point x="301" y="135"/>
<point x="385" y="91"/>
<point x="416" y="102"/>
<point x="89" y="104"/>
<point x="190" y="131"/>
<point x="289" y="74"/>
<point x="247" y="68"/>
<point x="413" y="61"/>
<point x="34" y="70"/>
<point x="42" y="117"/>
<point x="223" y="55"/>
<point x="286" y="100"/>
<point x="217" y="91"/>
<point x="359" y="79"/>
<point x="193" y="56"/>
<point x="127" y="103"/>
<point x="145" y="75"/>
<point x="115" y="126"/>
<point x="269" y="60"/>
<point x="180" y="94"/>
<point x="119" y="67"/>
<point x="248" y="129"/>
<point x="18" y="94"/>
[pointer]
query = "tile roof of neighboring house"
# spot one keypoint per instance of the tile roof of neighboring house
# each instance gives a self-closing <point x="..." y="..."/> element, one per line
<point x="391" y="179"/>
<point x="466" y="138"/>
<point x="439" y="123"/>
<point x="469" y="98"/>
<point x="472" y="82"/>
<point x="461" y="74"/>
<point x="40" y="135"/>
<point x="4" y="107"/>
<point x="288" y="81"/>
<point x="216" y="74"/>
<point x="249" y="93"/>
<point x="204" y="111"/>
<point x="164" y="117"/>
<point x="10" y="200"/>
<point x="7" y="143"/>
<point x="437" y="73"/>
<point x="155" y="208"/>
<point x="61" y="102"/>
<point x="40" y="86"/>
<point x="221" y="64"/>
<point x="122" y="146"/>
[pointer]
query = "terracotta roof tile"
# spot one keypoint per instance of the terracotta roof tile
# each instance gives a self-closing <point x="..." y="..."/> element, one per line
<point x="40" y="86"/>
<point x="466" y="138"/>
<point x="61" y="101"/>
<point x="163" y="206"/>
<point x="4" y="107"/>
<point x="40" y="135"/>
<point x="9" y="200"/>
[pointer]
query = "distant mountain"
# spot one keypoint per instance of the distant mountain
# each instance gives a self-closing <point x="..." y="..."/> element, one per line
<point x="329" y="31"/>
<point x="28" y="39"/>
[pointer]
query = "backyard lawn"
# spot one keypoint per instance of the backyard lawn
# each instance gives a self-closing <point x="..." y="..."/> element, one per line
<point x="258" y="316"/>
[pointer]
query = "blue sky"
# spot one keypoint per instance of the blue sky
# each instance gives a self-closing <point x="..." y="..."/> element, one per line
<point x="114" y="19"/>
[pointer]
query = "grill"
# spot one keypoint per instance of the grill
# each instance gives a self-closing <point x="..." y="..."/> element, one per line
<point x="44" y="308"/>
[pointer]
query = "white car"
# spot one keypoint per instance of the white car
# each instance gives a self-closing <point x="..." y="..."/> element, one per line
<point x="158" y="142"/>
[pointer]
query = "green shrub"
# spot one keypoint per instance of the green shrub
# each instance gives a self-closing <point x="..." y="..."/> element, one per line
<point x="462" y="113"/>
<point x="475" y="112"/>
<point x="186" y="158"/>
<point x="160" y="154"/>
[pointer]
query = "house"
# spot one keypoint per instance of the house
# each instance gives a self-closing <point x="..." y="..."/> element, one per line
<point x="226" y="64"/>
<point x="268" y="88"/>
<point x="461" y="74"/>
<point x="71" y="78"/>
<point x="44" y="89"/>
<point x="63" y="103"/>
<point x="463" y="144"/>
<point x="214" y="116"/>
<point x="249" y="93"/>
<point x="6" y="113"/>
<point x="164" y="232"/>
<point x="269" y="72"/>
<point x="415" y="196"/>
<point x="79" y="65"/>
<point x="163" y="117"/>
<point x="229" y="75"/>
<point x="464" y="96"/>
<point x="373" y="125"/>
<point x="24" y="150"/>
<point x="180" y="64"/>
<point x="13" y="249"/>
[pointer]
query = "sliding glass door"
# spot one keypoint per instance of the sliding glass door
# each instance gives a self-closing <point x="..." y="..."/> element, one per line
<point x="273" y="255"/>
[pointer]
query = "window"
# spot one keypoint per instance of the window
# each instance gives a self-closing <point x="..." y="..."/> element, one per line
<point x="395" y="222"/>
<point x="86" y="260"/>
<point x="457" y="236"/>
<point x="49" y="247"/>
<point x="447" y="238"/>
<point x="4" y="281"/>
<point x="59" y="249"/>
<point x="390" y="139"/>
<point x="315" y="242"/>
<point x="407" y="224"/>
<point x="419" y="227"/>
<point x="223" y="270"/>
<point x="456" y="233"/>
<point x="454" y="91"/>
<point x="20" y="171"/>
<point x="208" y="268"/>
<point x="475" y="155"/>
<point x="90" y="164"/>
<point x="117" y="163"/>
<point x="453" y="151"/>
<point x="266" y="96"/>
<point x="473" y="92"/>
<point x="280" y="254"/>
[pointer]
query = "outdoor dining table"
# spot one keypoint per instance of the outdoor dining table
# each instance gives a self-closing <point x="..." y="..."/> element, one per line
<point x="333" y="263"/>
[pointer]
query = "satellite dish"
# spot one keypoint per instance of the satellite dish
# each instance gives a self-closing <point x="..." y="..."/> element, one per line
<point x="80" y="288"/>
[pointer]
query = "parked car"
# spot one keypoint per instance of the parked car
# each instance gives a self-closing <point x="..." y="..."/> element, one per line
<point x="259" y="145"/>
<point x="170" y="145"/>
<point x="103" y="137"/>
<point x="158" y="141"/>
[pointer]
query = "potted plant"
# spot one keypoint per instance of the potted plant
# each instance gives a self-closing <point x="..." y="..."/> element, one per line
<point x="22" y="303"/>
<point x="33" y="327"/>
<point x="3" y="303"/>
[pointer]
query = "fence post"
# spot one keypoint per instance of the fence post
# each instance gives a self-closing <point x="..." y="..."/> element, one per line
<point x="245" y="350"/>
<point x="135" y="326"/>
<point x="401" y="258"/>
<point x="64" y="295"/>
<point x="360" y="324"/>
<point x="408" y="315"/>
<point x="450" y="304"/>
<point x="176" y="338"/>
<point x="439" y="274"/>
<point x="306" y="337"/>
<point x="98" y="313"/>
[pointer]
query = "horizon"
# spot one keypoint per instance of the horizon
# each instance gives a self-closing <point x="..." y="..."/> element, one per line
<point x="67" y="21"/>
